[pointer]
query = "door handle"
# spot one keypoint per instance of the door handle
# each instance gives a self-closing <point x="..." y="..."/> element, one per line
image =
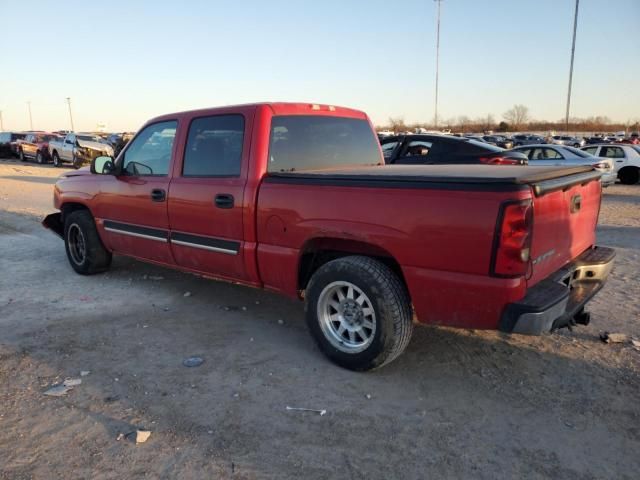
<point x="224" y="200"/>
<point x="158" y="195"/>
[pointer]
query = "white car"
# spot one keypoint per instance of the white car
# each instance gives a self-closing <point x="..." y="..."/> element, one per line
<point x="626" y="160"/>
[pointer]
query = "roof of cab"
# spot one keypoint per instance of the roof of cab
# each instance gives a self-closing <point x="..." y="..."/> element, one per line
<point x="277" y="108"/>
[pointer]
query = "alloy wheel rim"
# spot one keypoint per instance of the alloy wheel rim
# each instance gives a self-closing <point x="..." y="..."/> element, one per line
<point x="347" y="317"/>
<point x="77" y="244"/>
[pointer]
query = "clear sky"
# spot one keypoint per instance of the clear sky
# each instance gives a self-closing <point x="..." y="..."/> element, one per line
<point x="123" y="62"/>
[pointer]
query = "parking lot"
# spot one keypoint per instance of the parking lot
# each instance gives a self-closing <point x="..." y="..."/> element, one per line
<point x="460" y="404"/>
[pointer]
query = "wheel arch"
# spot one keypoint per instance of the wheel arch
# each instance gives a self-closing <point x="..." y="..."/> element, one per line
<point x="320" y="250"/>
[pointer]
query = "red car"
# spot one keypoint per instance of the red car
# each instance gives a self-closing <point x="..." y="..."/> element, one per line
<point x="294" y="198"/>
<point x="36" y="146"/>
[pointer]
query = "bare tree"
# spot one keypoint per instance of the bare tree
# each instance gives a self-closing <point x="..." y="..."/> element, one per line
<point x="518" y="116"/>
<point x="397" y="124"/>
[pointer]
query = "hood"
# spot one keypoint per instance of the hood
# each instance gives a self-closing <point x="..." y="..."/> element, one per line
<point x="102" y="147"/>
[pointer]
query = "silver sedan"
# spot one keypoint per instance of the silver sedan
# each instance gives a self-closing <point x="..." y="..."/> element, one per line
<point x="563" y="155"/>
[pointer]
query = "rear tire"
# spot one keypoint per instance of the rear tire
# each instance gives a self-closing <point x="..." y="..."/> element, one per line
<point x="56" y="160"/>
<point x="85" y="251"/>
<point x="39" y="158"/>
<point x="629" y="175"/>
<point x="22" y="157"/>
<point x="358" y="312"/>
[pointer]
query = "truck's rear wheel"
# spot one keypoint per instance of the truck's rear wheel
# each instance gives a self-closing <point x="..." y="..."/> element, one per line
<point x="39" y="158"/>
<point x="84" y="248"/>
<point x="56" y="160"/>
<point x="21" y="155"/>
<point x="359" y="312"/>
<point x="629" y="175"/>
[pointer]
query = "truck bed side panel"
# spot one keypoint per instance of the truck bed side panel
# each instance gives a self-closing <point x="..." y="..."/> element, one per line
<point x="441" y="238"/>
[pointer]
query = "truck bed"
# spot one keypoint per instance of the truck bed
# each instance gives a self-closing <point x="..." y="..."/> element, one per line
<point x="473" y="177"/>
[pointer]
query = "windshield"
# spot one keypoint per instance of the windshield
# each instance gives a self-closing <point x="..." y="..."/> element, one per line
<point x="310" y="142"/>
<point x="88" y="138"/>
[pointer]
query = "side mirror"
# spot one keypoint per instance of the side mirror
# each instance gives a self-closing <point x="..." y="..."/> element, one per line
<point x="103" y="166"/>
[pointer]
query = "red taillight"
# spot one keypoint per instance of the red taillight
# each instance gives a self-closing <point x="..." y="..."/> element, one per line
<point x="512" y="242"/>
<point x="501" y="161"/>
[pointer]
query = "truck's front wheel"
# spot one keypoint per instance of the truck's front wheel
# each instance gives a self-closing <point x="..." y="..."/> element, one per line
<point x="84" y="248"/>
<point x="359" y="312"/>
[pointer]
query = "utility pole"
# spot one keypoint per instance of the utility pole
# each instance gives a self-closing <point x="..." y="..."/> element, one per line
<point x="435" y="118"/>
<point x="1" y="122"/>
<point x="573" y="50"/>
<point x="30" y="117"/>
<point x="70" y="115"/>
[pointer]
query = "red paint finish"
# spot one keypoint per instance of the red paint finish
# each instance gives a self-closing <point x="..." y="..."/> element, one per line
<point x="441" y="239"/>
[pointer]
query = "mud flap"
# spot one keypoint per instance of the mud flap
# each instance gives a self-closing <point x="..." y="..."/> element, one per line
<point x="54" y="223"/>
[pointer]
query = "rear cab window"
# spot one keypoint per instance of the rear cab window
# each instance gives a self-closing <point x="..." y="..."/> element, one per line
<point x="313" y="142"/>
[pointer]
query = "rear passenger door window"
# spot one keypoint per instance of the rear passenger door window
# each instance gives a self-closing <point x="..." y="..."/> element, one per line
<point x="611" y="152"/>
<point x="551" y="154"/>
<point x="590" y="150"/>
<point x="214" y="147"/>
<point x="417" y="148"/>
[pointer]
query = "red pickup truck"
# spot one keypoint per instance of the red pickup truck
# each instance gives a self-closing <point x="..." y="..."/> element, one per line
<point x="295" y="198"/>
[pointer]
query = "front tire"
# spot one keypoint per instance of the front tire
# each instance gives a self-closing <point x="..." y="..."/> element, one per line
<point x="358" y="312"/>
<point x="76" y="162"/>
<point x="85" y="250"/>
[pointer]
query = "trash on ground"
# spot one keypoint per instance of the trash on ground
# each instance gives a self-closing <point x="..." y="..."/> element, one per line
<point x="153" y="277"/>
<point x="280" y="321"/>
<point x="58" y="391"/>
<point x="193" y="361"/>
<point x="368" y="396"/>
<point x="301" y="409"/>
<point x="142" y="436"/>
<point x="120" y="437"/>
<point x="613" y="337"/>
<point x="187" y="294"/>
<point x="84" y="373"/>
<point x="72" y="382"/>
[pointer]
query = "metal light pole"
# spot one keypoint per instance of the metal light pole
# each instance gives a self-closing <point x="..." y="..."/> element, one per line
<point x="70" y="115"/>
<point x="573" y="50"/>
<point x="30" y="117"/>
<point x="435" y="118"/>
<point x="1" y="122"/>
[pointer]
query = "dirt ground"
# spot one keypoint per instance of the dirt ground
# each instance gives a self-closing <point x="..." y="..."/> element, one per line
<point x="457" y="404"/>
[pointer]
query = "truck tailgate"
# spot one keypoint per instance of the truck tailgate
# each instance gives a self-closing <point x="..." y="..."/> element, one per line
<point x="565" y="214"/>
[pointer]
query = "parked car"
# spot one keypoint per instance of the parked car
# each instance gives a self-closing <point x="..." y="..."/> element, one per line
<point x="77" y="149"/>
<point x="560" y="155"/>
<point x="593" y="140"/>
<point x="445" y="149"/>
<point x="498" y="141"/>
<point x="523" y="139"/>
<point x="36" y="146"/>
<point x="295" y="198"/>
<point x="626" y="158"/>
<point x="8" y="143"/>
<point x="567" y="140"/>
